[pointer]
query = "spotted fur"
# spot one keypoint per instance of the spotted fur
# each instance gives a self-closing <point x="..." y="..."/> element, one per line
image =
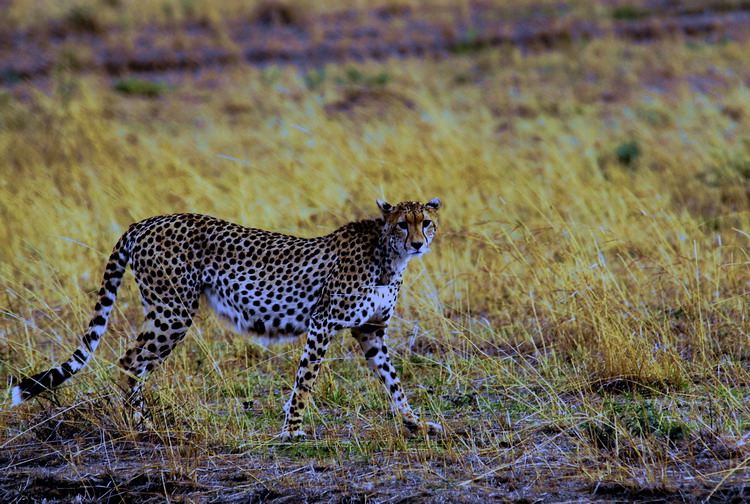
<point x="261" y="283"/>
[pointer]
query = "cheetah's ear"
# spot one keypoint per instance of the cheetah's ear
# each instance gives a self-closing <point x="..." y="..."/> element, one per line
<point x="384" y="207"/>
<point x="434" y="204"/>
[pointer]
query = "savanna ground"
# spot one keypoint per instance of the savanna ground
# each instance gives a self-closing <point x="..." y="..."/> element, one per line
<point x="580" y="327"/>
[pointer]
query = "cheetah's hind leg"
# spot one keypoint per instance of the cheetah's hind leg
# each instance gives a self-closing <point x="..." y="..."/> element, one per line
<point x="162" y="330"/>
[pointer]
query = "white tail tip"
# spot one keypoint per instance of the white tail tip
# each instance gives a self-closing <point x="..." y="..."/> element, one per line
<point x="16" y="395"/>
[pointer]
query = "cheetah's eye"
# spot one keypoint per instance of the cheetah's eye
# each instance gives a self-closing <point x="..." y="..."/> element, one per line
<point x="426" y="223"/>
<point x="403" y="225"/>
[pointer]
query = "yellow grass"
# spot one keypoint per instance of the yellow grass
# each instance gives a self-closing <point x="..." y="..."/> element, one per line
<point x="558" y="267"/>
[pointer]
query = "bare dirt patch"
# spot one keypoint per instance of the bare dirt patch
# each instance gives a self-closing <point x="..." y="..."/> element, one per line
<point x="69" y="456"/>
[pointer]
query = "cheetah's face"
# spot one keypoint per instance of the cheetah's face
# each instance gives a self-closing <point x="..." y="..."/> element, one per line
<point x="410" y="226"/>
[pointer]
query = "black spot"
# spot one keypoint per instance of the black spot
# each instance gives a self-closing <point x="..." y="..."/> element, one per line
<point x="369" y="328"/>
<point x="98" y="320"/>
<point x="259" y="327"/>
<point x="88" y="338"/>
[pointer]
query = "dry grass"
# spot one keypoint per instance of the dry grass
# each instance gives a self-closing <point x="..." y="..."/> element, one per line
<point x="580" y="327"/>
<point x="98" y="15"/>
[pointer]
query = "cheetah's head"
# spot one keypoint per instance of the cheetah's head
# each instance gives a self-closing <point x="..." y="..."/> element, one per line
<point x="410" y="226"/>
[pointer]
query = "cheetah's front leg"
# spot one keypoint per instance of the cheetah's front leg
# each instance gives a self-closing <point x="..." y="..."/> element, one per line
<point x="371" y="338"/>
<point x="309" y="366"/>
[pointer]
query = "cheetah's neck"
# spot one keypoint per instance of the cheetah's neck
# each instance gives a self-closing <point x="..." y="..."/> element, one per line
<point x="392" y="264"/>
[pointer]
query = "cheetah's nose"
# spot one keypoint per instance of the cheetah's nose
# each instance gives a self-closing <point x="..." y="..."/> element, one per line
<point x="416" y="245"/>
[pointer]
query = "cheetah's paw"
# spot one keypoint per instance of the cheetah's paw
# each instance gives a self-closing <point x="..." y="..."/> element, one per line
<point x="424" y="428"/>
<point x="433" y="429"/>
<point x="297" y="435"/>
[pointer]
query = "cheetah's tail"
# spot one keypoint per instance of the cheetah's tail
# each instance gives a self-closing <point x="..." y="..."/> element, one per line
<point x="118" y="261"/>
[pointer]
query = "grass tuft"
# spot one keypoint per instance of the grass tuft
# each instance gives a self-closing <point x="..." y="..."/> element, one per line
<point x="140" y="87"/>
<point x="627" y="153"/>
<point x="629" y="13"/>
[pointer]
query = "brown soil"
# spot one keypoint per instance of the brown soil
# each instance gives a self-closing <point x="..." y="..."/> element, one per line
<point x="111" y="472"/>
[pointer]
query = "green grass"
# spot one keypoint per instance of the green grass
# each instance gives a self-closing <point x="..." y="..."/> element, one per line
<point x="579" y="322"/>
<point x="139" y="87"/>
<point x="629" y="13"/>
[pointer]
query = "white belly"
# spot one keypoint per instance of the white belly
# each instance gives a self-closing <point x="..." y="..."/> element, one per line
<point x="273" y="321"/>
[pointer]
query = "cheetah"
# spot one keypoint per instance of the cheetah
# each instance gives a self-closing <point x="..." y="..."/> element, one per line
<point x="263" y="284"/>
